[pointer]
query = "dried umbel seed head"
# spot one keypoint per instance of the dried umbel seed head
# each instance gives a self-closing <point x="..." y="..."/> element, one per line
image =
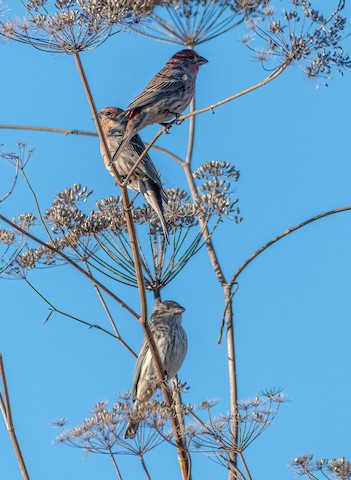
<point x="71" y="26"/>
<point x="304" y="36"/>
<point x="7" y="237"/>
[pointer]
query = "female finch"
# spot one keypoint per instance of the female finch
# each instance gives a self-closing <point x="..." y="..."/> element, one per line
<point x="166" y="96"/>
<point x="146" y="178"/>
<point x="171" y="342"/>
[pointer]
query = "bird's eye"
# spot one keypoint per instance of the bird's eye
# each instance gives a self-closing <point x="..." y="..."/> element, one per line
<point x="108" y="113"/>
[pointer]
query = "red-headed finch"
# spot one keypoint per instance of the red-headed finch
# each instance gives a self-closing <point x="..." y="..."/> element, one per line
<point x="166" y="96"/>
<point x="146" y="178"/>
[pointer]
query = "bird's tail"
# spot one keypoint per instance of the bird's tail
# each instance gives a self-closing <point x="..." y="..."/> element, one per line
<point x="131" y="429"/>
<point x="153" y="195"/>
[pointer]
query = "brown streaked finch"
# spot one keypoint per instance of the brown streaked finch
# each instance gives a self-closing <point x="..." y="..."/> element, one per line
<point x="146" y="178"/>
<point x="172" y="344"/>
<point x="166" y="96"/>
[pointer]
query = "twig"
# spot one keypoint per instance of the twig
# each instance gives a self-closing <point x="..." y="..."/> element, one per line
<point x="5" y="407"/>
<point x="141" y="157"/>
<point x="282" y="235"/>
<point x="71" y="262"/>
<point x="268" y="79"/>
<point x="86" y="133"/>
<point x="109" y="316"/>
<point x="7" y="194"/>
<point x="60" y="312"/>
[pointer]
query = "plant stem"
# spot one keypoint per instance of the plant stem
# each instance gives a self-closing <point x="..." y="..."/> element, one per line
<point x="71" y="262"/>
<point x="282" y="235"/>
<point x="182" y="457"/>
<point x="147" y="475"/>
<point x="119" y="475"/>
<point x="245" y="465"/>
<point x="5" y="407"/>
<point x="268" y="79"/>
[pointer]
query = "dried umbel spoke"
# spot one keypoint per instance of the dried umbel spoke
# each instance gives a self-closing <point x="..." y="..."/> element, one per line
<point x="310" y="38"/>
<point x="214" y="436"/>
<point x="192" y="22"/>
<point x="104" y="431"/>
<point x="309" y="466"/>
<point x="19" y="158"/>
<point x="72" y="26"/>
<point x="11" y="245"/>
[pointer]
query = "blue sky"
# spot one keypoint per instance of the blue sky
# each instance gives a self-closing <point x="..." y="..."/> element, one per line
<point x="292" y="311"/>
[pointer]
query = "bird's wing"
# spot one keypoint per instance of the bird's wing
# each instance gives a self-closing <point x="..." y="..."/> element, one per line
<point x="146" y="166"/>
<point x="161" y="86"/>
<point x="140" y="361"/>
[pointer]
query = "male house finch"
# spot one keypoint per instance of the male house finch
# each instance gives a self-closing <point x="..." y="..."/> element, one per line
<point x="146" y="178"/>
<point x="166" y="96"/>
<point x="171" y="342"/>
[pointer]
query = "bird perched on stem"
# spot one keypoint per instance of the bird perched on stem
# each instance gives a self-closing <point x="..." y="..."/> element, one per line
<point x="146" y="178"/>
<point x="171" y="342"/>
<point x="166" y="96"/>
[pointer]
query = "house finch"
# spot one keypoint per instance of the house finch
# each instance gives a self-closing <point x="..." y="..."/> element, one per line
<point x="146" y="178"/>
<point x="166" y="96"/>
<point x="172" y="343"/>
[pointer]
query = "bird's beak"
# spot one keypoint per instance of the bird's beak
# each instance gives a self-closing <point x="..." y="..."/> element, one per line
<point x="201" y="61"/>
<point x="180" y="310"/>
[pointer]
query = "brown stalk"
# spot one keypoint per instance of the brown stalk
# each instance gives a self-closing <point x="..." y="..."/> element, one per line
<point x="5" y="408"/>
<point x="282" y="235"/>
<point x="232" y="466"/>
<point x="71" y="262"/>
<point x="268" y="79"/>
<point x="182" y="457"/>
<point x="82" y="132"/>
<point x="226" y="288"/>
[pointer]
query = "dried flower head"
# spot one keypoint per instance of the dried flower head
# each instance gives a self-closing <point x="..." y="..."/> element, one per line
<point x="103" y="432"/>
<point x="71" y="26"/>
<point x="304" y="36"/>
<point x="214" y="436"/>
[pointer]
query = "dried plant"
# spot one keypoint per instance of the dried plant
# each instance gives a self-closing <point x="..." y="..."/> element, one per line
<point x="214" y="436"/>
<point x="192" y="22"/>
<point x="100" y="237"/>
<point x="302" y="35"/>
<point x="72" y="26"/>
<point x="104" y="431"/>
<point x="307" y="465"/>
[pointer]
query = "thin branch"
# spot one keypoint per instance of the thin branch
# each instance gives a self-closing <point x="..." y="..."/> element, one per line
<point x="109" y="316"/>
<point x="36" y="203"/>
<point x="268" y="79"/>
<point x="7" y="194"/>
<point x="282" y="235"/>
<point x="51" y="130"/>
<point x="86" y="133"/>
<point x="141" y="157"/>
<point x="71" y="262"/>
<point x="5" y="407"/>
<point x="64" y="314"/>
